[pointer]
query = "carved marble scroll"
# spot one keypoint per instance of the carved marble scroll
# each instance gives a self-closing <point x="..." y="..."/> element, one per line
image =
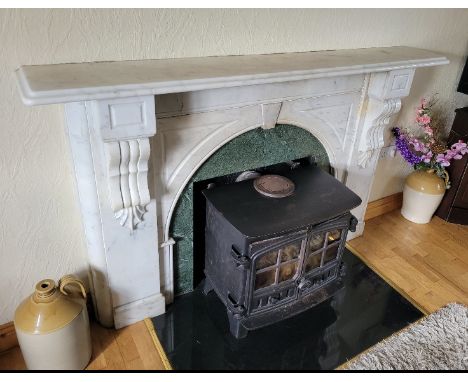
<point x="124" y="126"/>
<point x="384" y="101"/>
<point x="373" y="138"/>
<point x="128" y="185"/>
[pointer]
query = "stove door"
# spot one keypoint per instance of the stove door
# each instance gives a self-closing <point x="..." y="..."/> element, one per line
<point x="322" y="256"/>
<point x="275" y="271"/>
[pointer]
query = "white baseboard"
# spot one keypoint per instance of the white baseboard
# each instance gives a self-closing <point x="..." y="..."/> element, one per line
<point x="135" y="311"/>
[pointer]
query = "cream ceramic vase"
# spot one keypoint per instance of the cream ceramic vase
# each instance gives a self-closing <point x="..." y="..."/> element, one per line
<point x="422" y="194"/>
<point x="52" y="326"/>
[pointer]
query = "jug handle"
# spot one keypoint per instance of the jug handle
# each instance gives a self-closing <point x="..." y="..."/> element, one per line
<point x="70" y="279"/>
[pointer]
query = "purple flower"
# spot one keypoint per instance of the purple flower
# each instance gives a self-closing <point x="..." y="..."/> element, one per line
<point x="402" y="146"/>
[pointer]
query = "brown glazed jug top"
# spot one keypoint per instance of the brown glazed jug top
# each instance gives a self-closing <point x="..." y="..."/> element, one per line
<point x="49" y="308"/>
<point x="426" y="182"/>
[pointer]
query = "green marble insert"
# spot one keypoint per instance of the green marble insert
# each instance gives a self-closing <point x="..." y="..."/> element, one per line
<point x="253" y="149"/>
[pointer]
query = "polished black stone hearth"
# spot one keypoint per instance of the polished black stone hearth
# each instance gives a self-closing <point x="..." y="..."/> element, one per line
<point x="195" y="331"/>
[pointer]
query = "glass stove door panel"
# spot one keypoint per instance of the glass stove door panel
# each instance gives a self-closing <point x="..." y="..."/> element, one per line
<point x="275" y="273"/>
<point x="267" y="260"/>
<point x="331" y="253"/>
<point x="277" y="266"/>
<point x="316" y="242"/>
<point x="322" y="248"/>
<point x="312" y="262"/>
<point x="333" y="236"/>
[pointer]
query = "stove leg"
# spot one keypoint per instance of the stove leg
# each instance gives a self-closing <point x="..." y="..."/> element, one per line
<point x="207" y="286"/>
<point x="235" y="327"/>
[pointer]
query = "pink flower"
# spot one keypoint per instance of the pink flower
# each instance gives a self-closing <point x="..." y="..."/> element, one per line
<point x="427" y="157"/>
<point x="460" y="147"/>
<point x="428" y="130"/>
<point x="418" y="145"/>
<point x="456" y="151"/>
<point x="452" y="154"/>
<point x="442" y="160"/>
<point x="424" y="119"/>
<point x="449" y="155"/>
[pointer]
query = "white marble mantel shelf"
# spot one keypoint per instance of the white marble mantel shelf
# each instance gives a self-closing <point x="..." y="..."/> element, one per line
<point x="64" y="83"/>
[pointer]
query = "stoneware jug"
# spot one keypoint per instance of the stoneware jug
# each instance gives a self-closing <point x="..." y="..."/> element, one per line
<point x="422" y="194"/>
<point x="52" y="326"/>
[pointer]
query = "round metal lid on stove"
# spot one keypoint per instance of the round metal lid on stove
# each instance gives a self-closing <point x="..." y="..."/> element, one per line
<point x="274" y="186"/>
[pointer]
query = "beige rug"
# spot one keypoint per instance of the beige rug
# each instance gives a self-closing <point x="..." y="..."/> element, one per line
<point x="436" y="342"/>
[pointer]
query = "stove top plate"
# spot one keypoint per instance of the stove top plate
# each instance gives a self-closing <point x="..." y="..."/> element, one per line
<point x="274" y="186"/>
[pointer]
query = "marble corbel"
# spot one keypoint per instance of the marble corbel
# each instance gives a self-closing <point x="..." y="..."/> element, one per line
<point x="384" y="101"/>
<point x="125" y="126"/>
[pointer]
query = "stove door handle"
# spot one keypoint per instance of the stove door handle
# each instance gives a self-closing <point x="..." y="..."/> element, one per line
<point x="234" y="307"/>
<point x="240" y="260"/>
<point x="353" y="222"/>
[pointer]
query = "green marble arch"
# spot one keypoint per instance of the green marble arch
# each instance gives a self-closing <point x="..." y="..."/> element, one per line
<point x="253" y="149"/>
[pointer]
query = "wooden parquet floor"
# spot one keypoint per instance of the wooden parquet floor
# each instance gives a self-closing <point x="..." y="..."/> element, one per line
<point x="427" y="263"/>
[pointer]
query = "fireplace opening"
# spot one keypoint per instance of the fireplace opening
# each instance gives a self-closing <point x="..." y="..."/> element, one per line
<point x="253" y="150"/>
<point x="199" y="204"/>
<point x="273" y="244"/>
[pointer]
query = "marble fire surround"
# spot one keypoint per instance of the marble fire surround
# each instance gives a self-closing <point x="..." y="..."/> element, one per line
<point x="139" y="130"/>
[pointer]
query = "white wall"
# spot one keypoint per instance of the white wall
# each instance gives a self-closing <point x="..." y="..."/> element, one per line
<point x="40" y="228"/>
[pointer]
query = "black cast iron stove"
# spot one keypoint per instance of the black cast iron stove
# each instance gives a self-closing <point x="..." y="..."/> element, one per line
<point x="273" y="244"/>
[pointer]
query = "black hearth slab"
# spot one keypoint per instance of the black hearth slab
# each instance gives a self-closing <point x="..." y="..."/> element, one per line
<point x="318" y="196"/>
<point x="195" y="332"/>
